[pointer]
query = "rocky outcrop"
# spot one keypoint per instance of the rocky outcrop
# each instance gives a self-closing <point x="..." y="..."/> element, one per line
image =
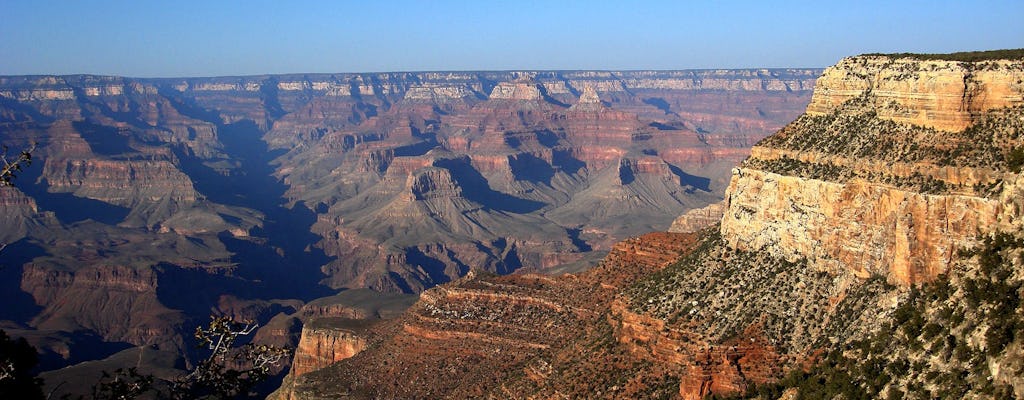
<point x="524" y="89"/>
<point x="325" y="341"/>
<point x="706" y="368"/>
<point x="898" y="163"/>
<point x="873" y="229"/>
<point x="946" y="95"/>
<point x="698" y="219"/>
<point x="123" y="183"/>
<point x="119" y="303"/>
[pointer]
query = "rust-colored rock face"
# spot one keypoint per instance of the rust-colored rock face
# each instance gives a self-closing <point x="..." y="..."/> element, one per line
<point x="893" y="168"/>
<point x="705" y="368"/>
<point x="327" y="341"/>
<point x="945" y="95"/>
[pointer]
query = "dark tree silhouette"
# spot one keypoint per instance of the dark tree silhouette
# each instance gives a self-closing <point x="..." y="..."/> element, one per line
<point x="17" y="359"/>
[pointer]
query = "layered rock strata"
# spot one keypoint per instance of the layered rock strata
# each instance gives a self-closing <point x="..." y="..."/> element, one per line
<point x="834" y="209"/>
<point x="326" y="341"/>
<point x="489" y="329"/>
<point x="897" y="164"/>
<point x="271" y="191"/>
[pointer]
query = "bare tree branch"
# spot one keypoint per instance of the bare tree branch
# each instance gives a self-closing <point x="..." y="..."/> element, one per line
<point x="9" y="168"/>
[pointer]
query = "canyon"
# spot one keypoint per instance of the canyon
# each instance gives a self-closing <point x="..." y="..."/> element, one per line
<point x="870" y="248"/>
<point x="284" y="199"/>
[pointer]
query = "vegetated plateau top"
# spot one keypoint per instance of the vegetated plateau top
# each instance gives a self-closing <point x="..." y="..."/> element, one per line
<point x="965" y="56"/>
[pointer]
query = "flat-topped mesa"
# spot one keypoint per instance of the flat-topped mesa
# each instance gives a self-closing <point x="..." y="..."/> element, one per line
<point x="629" y="168"/>
<point x="433" y="182"/>
<point x="522" y="89"/>
<point x="899" y="162"/>
<point x="119" y="182"/>
<point x="948" y="94"/>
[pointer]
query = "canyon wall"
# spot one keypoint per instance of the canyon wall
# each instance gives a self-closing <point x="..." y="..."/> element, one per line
<point x="942" y="94"/>
<point x="326" y="341"/>
<point x="253" y="196"/>
<point x="898" y="206"/>
<point x="829" y="232"/>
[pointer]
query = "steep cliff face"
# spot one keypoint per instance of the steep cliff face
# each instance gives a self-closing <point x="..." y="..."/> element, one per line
<point x="897" y="164"/>
<point x="940" y="94"/>
<point x="100" y="299"/>
<point x="326" y="341"/>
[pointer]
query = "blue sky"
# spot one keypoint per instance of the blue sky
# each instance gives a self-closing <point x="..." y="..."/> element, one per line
<point x="150" y="38"/>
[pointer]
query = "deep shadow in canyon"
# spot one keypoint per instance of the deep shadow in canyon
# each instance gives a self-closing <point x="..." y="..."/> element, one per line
<point x="280" y="258"/>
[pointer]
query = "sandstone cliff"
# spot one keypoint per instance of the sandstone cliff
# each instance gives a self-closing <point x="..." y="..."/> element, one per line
<point x="326" y="341"/>
<point x="944" y="94"/>
<point x="697" y="219"/>
<point x="896" y="165"/>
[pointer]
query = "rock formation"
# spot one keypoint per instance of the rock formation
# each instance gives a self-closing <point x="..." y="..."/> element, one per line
<point x="899" y="205"/>
<point x="698" y="219"/>
<point x="943" y="94"/>
<point x="152" y="202"/>
<point x="327" y="341"/>
<point x="487" y="329"/>
<point x="829" y="268"/>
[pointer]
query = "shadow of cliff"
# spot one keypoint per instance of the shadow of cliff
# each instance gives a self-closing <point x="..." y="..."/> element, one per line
<point x="685" y="179"/>
<point x="659" y="103"/>
<point x="434" y="268"/>
<point x="282" y="254"/>
<point x="18" y="306"/>
<point x="528" y="167"/>
<point x="67" y="207"/>
<point x="476" y="188"/>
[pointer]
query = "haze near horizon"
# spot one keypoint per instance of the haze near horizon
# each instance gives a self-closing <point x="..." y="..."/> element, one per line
<point x="194" y="38"/>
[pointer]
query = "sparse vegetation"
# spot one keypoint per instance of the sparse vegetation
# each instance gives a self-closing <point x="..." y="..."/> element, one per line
<point x="858" y="144"/>
<point x="966" y="56"/>
<point x="940" y="341"/>
<point x="720" y="291"/>
<point x="229" y="372"/>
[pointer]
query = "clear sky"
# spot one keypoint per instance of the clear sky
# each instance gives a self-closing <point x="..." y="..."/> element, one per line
<point x="156" y="38"/>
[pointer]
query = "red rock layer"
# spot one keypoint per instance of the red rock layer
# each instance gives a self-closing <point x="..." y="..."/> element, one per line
<point x="486" y="329"/>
